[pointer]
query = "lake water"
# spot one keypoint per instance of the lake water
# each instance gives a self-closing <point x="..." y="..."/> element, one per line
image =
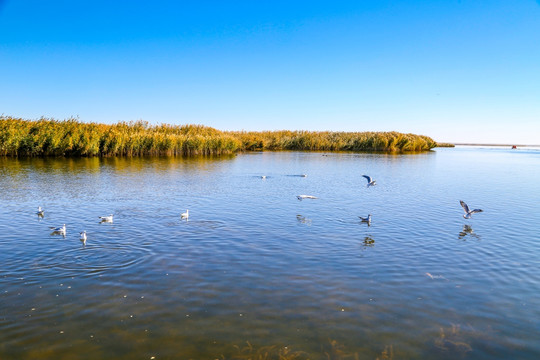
<point x="255" y="271"/>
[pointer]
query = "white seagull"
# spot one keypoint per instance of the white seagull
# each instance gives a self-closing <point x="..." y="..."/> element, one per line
<point x="468" y="212"/>
<point x="263" y="177"/>
<point x="40" y="211"/>
<point x="366" y="219"/>
<point x="301" y="197"/>
<point x="60" y="230"/>
<point x="185" y="215"/>
<point x="370" y="181"/>
<point x="83" y="236"/>
<point x="106" y="218"/>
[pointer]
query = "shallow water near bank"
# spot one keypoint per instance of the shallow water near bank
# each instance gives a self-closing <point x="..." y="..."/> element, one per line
<point x="256" y="270"/>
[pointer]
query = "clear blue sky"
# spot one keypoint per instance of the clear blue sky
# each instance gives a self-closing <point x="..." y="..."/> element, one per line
<point x="456" y="70"/>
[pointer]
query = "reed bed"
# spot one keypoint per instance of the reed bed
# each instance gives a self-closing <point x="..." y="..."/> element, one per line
<point x="334" y="141"/>
<point x="49" y="137"/>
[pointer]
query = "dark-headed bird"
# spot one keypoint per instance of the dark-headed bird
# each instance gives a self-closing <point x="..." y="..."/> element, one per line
<point x="366" y="219"/>
<point x="302" y="197"/>
<point x="106" y="218"/>
<point x="83" y="237"/>
<point x="59" y="230"/>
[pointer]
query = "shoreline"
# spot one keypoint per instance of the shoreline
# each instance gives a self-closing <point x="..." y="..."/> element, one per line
<point x="499" y="145"/>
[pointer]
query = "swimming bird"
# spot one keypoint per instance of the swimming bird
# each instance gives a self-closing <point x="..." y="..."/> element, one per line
<point x="366" y="219"/>
<point x="60" y="230"/>
<point x="107" y="218"/>
<point x="301" y="197"/>
<point x="83" y="236"/>
<point x="468" y="212"/>
<point x="370" y="181"/>
<point x="40" y="211"/>
<point x="185" y="215"/>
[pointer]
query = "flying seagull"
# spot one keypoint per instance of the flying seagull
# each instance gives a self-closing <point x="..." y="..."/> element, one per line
<point x="366" y="219"/>
<point x="370" y="181"/>
<point x="468" y="212"/>
<point x="106" y="218"/>
<point x="185" y="215"/>
<point x="301" y="197"/>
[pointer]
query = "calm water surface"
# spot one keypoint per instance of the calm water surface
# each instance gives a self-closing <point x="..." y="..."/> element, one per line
<point x="255" y="270"/>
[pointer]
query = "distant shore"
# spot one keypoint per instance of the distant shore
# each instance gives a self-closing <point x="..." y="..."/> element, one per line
<point x="49" y="137"/>
<point x="443" y="144"/>
<point x="501" y="145"/>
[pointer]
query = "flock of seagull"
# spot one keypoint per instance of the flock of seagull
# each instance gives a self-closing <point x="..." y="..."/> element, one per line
<point x="61" y="230"/>
<point x="370" y="182"/>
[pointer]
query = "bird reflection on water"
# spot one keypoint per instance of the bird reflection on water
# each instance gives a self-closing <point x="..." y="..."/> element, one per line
<point x="368" y="242"/>
<point x="303" y="220"/>
<point x="468" y="231"/>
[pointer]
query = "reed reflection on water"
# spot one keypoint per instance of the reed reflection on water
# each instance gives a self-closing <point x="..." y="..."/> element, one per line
<point x="257" y="274"/>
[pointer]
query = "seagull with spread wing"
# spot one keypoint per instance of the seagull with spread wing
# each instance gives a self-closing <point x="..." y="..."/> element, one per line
<point x="468" y="212"/>
<point x="370" y="181"/>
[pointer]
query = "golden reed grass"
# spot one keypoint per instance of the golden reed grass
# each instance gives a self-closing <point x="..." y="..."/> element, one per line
<point x="49" y="137"/>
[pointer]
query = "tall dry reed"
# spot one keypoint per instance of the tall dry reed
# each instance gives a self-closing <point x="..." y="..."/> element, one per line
<point x="49" y="137"/>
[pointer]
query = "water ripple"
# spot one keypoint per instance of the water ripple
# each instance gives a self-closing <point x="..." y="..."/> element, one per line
<point x="94" y="258"/>
<point x="255" y="264"/>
